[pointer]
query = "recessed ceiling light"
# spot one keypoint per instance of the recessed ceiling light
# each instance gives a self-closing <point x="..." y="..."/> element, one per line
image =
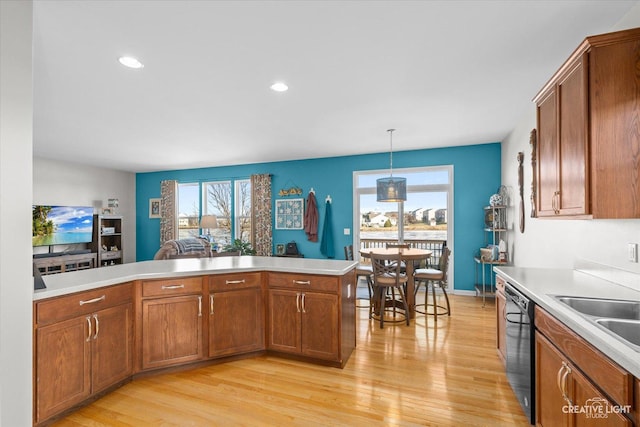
<point x="131" y="62"/>
<point x="279" y="87"/>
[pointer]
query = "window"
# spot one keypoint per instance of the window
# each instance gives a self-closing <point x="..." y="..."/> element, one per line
<point x="423" y="220"/>
<point x="229" y="201"/>
<point x="188" y="210"/>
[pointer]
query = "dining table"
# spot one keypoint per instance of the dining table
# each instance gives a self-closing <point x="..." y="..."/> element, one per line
<point x="408" y="256"/>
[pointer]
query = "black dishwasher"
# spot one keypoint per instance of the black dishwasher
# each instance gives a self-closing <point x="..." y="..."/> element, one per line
<point x="520" y="345"/>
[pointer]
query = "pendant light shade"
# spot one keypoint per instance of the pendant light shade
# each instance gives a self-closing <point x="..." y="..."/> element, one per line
<point x="391" y="189"/>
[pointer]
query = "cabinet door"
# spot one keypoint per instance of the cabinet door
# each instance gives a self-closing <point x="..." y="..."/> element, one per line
<point x="112" y="341"/>
<point x="501" y="337"/>
<point x="171" y="331"/>
<point x="587" y="397"/>
<point x="63" y="365"/>
<point x="236" y="322"/>
<point x="320" y="336"/>
<point x="572" y="168"/>
<point x="547" y="155"/>
<point x="549" y="399"/>
<point x="284" y="320"/>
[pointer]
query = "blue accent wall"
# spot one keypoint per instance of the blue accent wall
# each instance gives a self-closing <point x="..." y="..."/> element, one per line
<point x="476" y="176"/>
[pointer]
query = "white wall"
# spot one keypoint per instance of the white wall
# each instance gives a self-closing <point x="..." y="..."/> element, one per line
<point x="560" y="243"/>
<point x="16" y="283"/>
<point x="63" y="183"/>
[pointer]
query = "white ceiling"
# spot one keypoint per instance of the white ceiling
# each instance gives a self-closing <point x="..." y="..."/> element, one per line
<point x="443" y="73"/>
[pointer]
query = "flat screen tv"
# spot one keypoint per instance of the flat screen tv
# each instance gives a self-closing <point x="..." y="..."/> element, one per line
<point x="62" y="225"/>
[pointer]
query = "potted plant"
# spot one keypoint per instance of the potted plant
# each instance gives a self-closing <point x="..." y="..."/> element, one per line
<point x="238" y="245"/>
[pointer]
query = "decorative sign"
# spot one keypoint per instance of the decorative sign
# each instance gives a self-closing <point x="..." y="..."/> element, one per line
<point x="290" y="214"/>
<point x="293" y="191"/>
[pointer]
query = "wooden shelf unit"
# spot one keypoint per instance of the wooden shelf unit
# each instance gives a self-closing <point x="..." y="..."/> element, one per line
<point x="107" y="232"/>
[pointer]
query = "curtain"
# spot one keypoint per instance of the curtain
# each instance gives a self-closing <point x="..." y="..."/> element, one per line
<point x="168" y="224"/>
<point x="261" y="214"/>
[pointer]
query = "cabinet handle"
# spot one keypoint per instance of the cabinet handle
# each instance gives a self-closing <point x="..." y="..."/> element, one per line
<point x="95" y="335"/>
<point x="302" y="282"/>
<point x="234" y="282"/>
<point x="200" y="306"/>
<point x="559" y="376"/>
<point x="555" y="202"/>
<point x="91" y="301"/>
<point x="561" y="381"/>
<point x="298" y="301"/>
<point x="172" y="286"/>
<point x="89" y="323"/>
<point x="349" y="291"/>
<point x="304" y="308"/>
<point x="211" y="304"/>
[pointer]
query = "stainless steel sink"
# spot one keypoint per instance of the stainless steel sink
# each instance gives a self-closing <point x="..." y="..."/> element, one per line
<point x="600" y="307"/>
<point x="626" y="329"/>
<point x="619" y="318"/>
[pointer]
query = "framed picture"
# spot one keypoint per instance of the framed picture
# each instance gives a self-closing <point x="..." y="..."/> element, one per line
<point x="280" y="249"/>
<point x="290" y="214"/>
<point x="154" y="208"/>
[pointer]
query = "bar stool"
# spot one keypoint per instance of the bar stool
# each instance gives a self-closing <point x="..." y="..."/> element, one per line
<point x="387" y="276"/>
<point x="434" y="277"/>
<point x="362" y="270"/>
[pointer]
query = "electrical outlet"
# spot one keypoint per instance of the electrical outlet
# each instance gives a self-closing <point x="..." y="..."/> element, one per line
<point x="632" y="255"/>
<point x="347" y="231"/>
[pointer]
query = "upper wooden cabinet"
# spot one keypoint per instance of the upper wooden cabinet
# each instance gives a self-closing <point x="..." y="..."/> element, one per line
<point x="588" y="155"/>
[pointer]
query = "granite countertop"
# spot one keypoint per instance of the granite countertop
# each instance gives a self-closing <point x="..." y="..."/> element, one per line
<point x="76" y="281"/>
<point x="540" y="284"/>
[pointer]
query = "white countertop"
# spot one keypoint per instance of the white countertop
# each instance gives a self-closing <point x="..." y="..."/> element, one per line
<point x="76" y="281"/>
<point x="541" y="284"/>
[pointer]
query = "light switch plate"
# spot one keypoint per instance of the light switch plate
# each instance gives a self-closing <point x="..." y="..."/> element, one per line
<point x="632" y="252"/>
<point x="347" y="231"/>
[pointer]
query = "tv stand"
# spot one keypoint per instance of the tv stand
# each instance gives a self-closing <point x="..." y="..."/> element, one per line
<point x="62" y="263"/>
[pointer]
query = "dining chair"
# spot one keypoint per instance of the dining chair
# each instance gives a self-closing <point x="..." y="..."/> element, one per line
<point x="433" y="278"/>
<point x="362" y="270"/>
<point x="388" y="276"/>
<point x="397" y="245"/>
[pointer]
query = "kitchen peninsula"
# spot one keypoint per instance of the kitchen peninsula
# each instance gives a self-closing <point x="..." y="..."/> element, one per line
<point x="97" y="329"/>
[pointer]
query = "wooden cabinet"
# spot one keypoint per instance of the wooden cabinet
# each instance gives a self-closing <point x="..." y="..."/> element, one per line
<point x="562" y="144"/>
<point x="171" y="322"/>
<point x="501" y="320"/>
<point x="236" y="314"/>
<point x="83" y="345"/>
<point x="312" y="316"/>
<point x="587" y="129"/>
<point x="567" y="371"/>
<point x="107" y="239"/>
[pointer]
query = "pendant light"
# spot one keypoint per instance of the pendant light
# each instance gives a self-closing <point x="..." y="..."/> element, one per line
<point x="391" y="189"/>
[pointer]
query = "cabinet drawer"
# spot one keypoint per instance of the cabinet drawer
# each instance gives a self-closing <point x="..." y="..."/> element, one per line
<point x="304" y="281"/>
<point x="611" y="378"/>
<point x="78" y="304"/>
<point x="111" y="255"/>
<point x="225" y="282"/>
<point x="168" y="287"/>
<point x="500" y="284"/>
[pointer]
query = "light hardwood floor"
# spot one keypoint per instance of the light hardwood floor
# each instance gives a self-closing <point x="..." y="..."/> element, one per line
<point x="434" y="374"/>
